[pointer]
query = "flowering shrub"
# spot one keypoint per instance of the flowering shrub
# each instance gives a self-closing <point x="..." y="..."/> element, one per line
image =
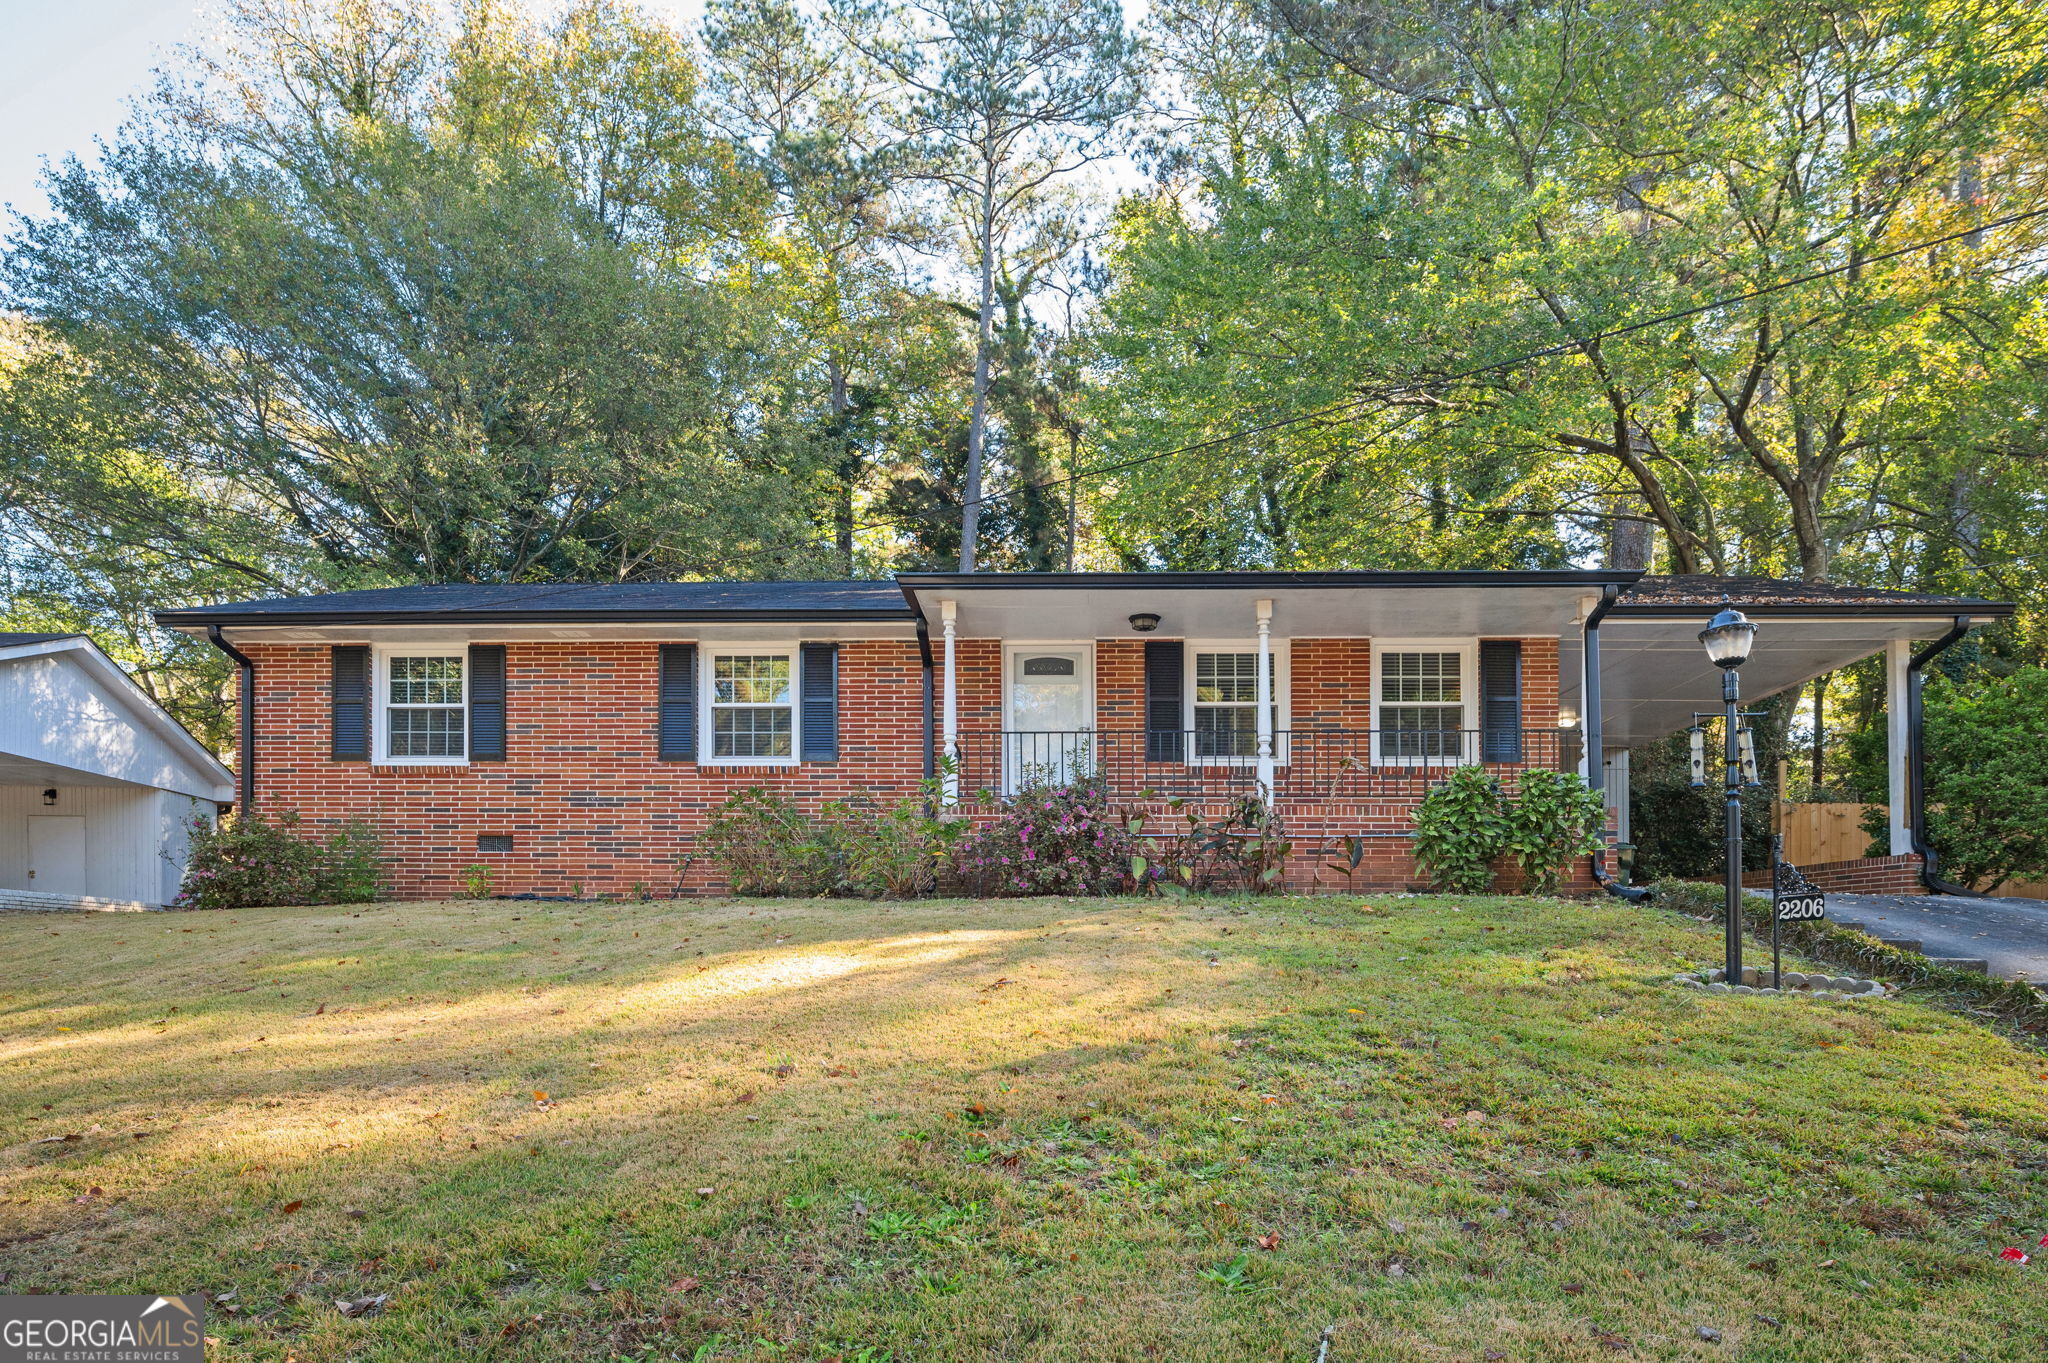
<point x="248" y="861"/>
<point x="1051" y="840"/>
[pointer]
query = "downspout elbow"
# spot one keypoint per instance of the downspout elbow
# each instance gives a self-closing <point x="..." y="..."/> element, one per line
<point x="245" y="718"/>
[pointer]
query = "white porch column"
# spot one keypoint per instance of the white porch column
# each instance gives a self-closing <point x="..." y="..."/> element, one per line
<point x="1264" y="695"/>
<point x="1898" y="653"/>
<point x="949" y="612"/>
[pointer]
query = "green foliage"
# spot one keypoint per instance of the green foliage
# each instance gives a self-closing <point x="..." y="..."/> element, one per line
<point x="1049" y="840"/>
<point x="1987" y="776"/>
<point x="1336" y="234"/>
<point x="1460" y="827"/>
<point x="1678" y="831"/>
<point x="479" y="879"/>
<point x="1691" y="897"/>
<point x="765" y="845"/>
<point x="251" y="861"/>
<point x="1553" y="818"/>
<point x="1243" y="849"/>
<point x="893" y="849"/>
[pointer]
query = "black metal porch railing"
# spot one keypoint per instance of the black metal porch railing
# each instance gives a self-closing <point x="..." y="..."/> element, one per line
<point x="1316" y="765"/>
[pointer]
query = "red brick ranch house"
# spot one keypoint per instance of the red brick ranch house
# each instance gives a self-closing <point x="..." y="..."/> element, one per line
<point x="581" y="734"/>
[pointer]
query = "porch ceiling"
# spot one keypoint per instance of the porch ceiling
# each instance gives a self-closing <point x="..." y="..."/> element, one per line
<point x="1654" y="674"/>
<point x="1046" y="607"/>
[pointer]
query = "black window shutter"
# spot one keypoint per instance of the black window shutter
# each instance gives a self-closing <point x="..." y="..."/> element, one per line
<point x="1500" y="700"/>
<point x="1165" y="669"/>
<point x="821" y="703"/>
<point x="678" y="703"/>
<point x="349" y="706"/>
<point x="486" y="702"/>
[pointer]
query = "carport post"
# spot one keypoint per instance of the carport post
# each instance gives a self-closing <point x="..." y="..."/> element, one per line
<point x="1898" y="656"/>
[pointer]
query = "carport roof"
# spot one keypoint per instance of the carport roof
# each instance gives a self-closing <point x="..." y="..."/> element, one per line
<point x="1689" y="592"/>
<point x="1654" y="674"/>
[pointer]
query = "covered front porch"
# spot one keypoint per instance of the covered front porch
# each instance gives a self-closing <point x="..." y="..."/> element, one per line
<point x="1338" y="699"/>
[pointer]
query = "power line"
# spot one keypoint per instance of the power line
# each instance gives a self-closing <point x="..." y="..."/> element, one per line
<point x="1396" y="390"/>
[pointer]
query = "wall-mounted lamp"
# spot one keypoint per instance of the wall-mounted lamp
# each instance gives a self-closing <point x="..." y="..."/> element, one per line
<point x="50" y="796"/>
<point x="1144" y="622"/>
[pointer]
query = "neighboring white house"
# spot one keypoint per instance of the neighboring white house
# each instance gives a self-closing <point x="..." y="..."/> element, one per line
<point x="98" y="785"/>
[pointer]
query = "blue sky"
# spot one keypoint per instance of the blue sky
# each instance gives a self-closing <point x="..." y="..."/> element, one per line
<point x="69" y="67"/>
<point x="66" y="69"/>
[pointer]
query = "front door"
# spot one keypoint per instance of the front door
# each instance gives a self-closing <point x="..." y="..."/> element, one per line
<point x="1048" y="731"/>
<point x="56" y="853"/>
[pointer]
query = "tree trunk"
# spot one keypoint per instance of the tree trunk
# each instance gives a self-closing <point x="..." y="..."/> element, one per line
<point x="977" y="424"/>
<point x="849" y="467"/>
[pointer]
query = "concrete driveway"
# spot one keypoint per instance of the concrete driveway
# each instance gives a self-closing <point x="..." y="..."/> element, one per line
<point x="2009" y="935"/>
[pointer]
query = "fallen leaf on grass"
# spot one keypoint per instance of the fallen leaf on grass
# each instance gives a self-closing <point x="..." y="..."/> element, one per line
<point x="1270" y="1240"/>
<point x="362" y="1305"/>
<point x="288" y="1208"/>
<point x="71" y="1138"/>
<point x="1573" y="1289"/>
<point x="991" y="988"/>
<point x="685" y="1284"/>
<point x="706" y="1192"/>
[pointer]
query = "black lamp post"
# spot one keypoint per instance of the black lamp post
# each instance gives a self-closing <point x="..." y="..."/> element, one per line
<point x="1728" y="637"/>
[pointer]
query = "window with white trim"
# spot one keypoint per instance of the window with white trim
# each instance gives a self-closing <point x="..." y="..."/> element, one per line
<point x="1420" y="702"/>
<point x="425" y="707"/>
<point x="1223" y="705"/>
<point x="751" y="716"/>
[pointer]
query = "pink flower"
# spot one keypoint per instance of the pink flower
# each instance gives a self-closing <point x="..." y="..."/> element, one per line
<point x="2018" y="1256"/>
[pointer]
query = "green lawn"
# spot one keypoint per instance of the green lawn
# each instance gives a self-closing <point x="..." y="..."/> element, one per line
<point x="1441" y="1128"/>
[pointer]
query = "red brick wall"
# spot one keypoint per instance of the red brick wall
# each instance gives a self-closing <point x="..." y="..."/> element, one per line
<point x="581" y="791"/>
<point x="1863" y="875"/>
<point x="587" y="803"/>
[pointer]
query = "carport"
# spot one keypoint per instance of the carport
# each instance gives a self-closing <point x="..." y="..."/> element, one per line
<point x="1641" y="651"/>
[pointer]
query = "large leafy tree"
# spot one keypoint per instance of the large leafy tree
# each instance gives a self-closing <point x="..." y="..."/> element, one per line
<point x="1438" y="186"/>
<point x="1004" y="99"/>
<point x="409" y="310"/>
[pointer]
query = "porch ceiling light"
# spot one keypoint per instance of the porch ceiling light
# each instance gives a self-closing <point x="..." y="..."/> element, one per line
<point x="1728" y="637"/>
<point x="1144" y="622"/>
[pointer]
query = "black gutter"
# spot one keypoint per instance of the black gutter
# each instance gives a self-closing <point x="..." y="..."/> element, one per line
<point x="911" y="582"/>
<point x="1893" y="610"/>
<point x="265" y="619"/>
<point x="1916" y="765"/>
<point x="245" y="719"/>
<point x="1596" y="770"/>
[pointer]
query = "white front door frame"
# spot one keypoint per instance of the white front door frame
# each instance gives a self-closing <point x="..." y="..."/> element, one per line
<point x="1083" y="651"/>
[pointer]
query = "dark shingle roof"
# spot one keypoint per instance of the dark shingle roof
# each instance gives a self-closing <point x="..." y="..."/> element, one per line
<point x="1765" y="593"/>
<point x="653" y="601"/>
<point x="9" y="638"/>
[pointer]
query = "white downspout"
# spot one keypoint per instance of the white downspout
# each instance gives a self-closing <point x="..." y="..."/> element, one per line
<point x="1897" y="760"/>
<point x="1264" y="694"/>
<point x="949" y="612"/>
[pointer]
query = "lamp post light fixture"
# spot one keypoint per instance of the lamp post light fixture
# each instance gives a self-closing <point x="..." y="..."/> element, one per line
<point x="1727" y="639"/>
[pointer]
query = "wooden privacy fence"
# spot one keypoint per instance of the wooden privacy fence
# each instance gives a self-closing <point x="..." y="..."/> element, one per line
<point x="1818" y="833"/>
